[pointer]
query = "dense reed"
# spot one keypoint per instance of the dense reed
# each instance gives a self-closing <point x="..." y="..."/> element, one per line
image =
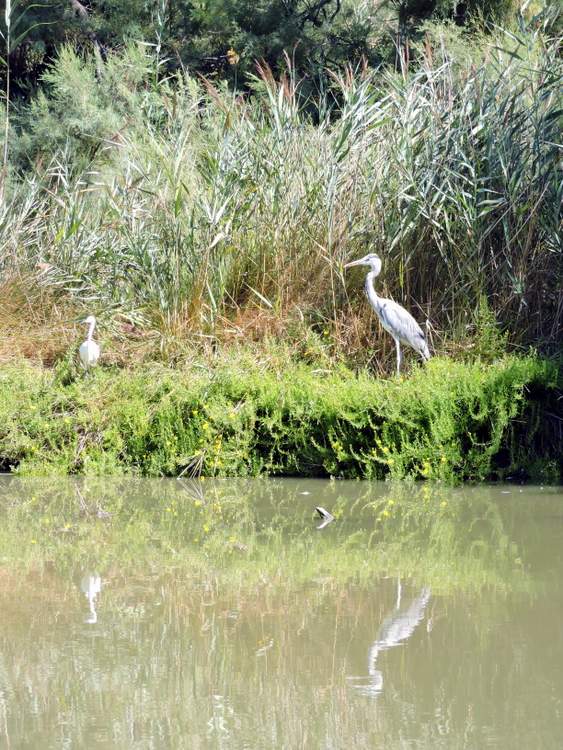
<point x="182" y="209"/>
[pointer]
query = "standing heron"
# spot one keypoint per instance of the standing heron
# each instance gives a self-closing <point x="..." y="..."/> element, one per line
<point x="89" y="350"/>
<point x="394" y="318"/>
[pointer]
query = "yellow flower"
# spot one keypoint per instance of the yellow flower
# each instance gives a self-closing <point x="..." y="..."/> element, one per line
<point x="232" y="56"/>
<point x="443" y="504"/>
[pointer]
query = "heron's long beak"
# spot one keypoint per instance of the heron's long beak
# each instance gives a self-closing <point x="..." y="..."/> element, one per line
<point x="359" y="262"/>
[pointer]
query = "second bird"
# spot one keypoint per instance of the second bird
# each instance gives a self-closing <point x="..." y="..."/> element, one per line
<point x="89" y="350"/>
<point x="394" y="318"/>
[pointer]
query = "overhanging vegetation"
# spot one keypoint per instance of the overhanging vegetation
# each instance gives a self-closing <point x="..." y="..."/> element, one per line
<point x="449" y="421"/>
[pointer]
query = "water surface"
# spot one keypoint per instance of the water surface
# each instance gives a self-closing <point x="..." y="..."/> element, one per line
<point x="181" y="614"/>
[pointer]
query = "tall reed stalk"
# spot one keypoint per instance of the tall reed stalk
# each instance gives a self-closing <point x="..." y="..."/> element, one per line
<point x="7" y="39"/>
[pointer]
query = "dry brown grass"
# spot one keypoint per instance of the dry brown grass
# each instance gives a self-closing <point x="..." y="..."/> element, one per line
<point x="42" y="326"/>
<point x="34" y="324"/>
<point x="39" y="324"/>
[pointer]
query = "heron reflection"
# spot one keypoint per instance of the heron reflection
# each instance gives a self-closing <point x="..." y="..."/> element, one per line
<point x="395" y="630"/>
<point x="91" y="585"/>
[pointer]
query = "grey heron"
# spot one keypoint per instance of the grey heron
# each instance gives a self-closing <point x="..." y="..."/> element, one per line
<point x="89" y="350"/>
<point x="393" y="317"/>
<point x="397" y="628"/>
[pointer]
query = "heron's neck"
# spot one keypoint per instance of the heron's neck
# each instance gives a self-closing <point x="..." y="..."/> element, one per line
<point x="370" y="290"/>
<point x="91" y="330"/>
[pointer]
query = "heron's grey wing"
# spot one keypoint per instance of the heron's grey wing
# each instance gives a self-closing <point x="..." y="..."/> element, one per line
<point x="401" y="324"/>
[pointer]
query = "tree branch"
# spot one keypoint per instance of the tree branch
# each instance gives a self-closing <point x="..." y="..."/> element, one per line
<point x="312" y="14"/>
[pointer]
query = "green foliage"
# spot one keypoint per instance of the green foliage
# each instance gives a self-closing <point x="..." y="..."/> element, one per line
<point x="84" y="105"/>
<point x="449" y="421"/>
<point x="219" y="38"/>
<point x="224" y="38"/>
<point x="490" y="343"/>
<point x="487" y="11"/>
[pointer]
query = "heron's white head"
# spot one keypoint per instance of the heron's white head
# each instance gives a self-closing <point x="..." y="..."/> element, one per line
<point x="371" y="259"/>
<point x="90" y="320"/>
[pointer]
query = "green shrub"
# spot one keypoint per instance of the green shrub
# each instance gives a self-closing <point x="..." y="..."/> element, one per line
<point x="449" y="421"/>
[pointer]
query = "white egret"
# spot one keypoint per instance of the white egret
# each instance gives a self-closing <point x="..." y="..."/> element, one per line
<point x="394" y="318"/>
<point x="89" y="350"/>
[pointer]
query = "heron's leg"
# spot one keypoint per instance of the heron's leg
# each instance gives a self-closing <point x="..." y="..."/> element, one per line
<point x="399" y="357"/>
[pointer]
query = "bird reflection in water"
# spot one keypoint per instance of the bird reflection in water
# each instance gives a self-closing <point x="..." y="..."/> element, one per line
<point x="91" y="585"/>
<point x="325" y="517"/>
<point x="395" y="630"/>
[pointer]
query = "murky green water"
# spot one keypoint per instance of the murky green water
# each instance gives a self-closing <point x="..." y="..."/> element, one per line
<point x="137" y="614"/>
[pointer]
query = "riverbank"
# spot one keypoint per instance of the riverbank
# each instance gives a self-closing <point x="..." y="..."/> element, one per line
<point x="448" y="421"/>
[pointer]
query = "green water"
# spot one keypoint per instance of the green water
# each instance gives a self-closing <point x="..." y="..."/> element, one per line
<point x="172" y="614"/>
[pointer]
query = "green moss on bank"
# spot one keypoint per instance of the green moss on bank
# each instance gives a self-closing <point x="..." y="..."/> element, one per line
<point x="449" y="421"/>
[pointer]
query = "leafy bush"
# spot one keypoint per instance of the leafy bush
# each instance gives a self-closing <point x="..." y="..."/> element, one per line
<point x="449" y="421"/>
<point x="224" y="38"/>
